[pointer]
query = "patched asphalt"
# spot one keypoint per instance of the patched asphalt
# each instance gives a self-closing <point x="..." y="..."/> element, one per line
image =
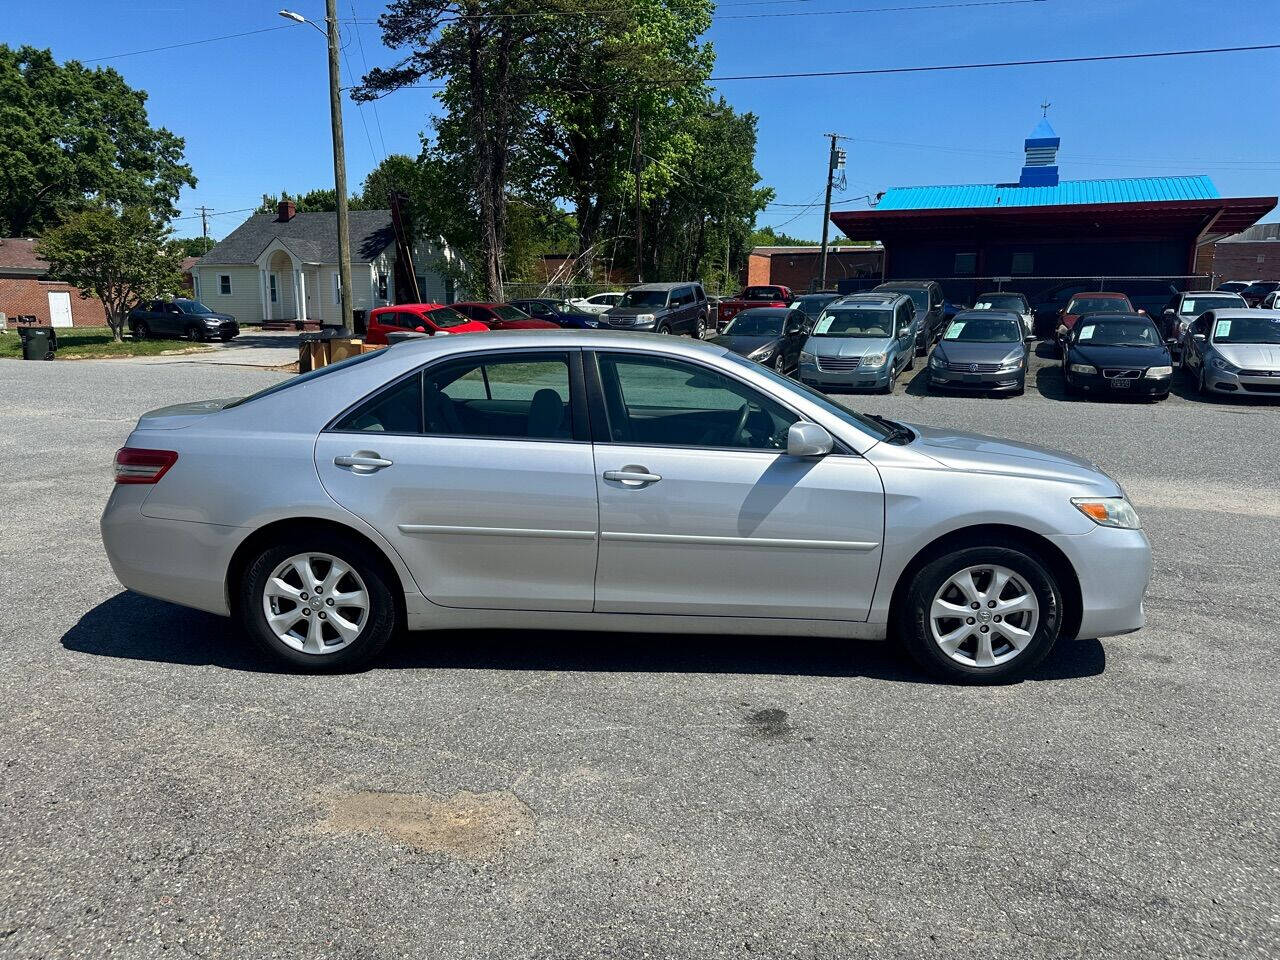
<point x="165" y="791"/>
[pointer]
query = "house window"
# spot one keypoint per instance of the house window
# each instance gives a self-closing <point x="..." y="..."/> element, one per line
<point x="382" y="286"/>
<point x="337" y="289"/>
<point x="1023" y="263"/>
<point x="272" y="281"/>
<point x="224" y="284"/>
<point x="966" y="264"/>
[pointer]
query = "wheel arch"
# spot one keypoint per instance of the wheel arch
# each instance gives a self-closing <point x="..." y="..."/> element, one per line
<point x="998" y="535"/>
<point x="278" y="530"/>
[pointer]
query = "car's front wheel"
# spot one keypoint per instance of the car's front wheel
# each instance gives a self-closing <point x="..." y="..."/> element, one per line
<point x="318" y="603"/>
<point x="982" y="614"/>
<point x="194" y="333"/>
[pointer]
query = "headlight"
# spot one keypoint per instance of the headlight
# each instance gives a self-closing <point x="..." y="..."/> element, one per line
<point x="1225" y="367"/>
<point x="1010" y="365"/>
<point x="937" y="362"/>
<point x="764" y="353"/>
<point x="806" y="356"/>
<point x="874" y="360"/>
<point x="1155" y="373"/>
<point x="646" y="318"/>
<point x="1108" y="512"/>
<point x="1083" y="368"/>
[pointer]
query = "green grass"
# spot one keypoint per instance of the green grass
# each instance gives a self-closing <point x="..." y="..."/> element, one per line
<point x="92" y="342"/>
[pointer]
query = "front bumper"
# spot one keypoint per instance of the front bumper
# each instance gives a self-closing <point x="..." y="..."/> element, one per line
<point x="978" y="382"/>
<point x="1096" y="383"/>
<point x="1114" y="570"/>
<point x="1259" y="383"/>
<point x="641" y="327"/>
<point x="857" y="379"/>
<point x="227" y="329"/>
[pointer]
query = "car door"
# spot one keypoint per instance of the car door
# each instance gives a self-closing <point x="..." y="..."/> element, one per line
<point x="702" y="511"/>
<point x="171" y="320"/>
<point x="479" y="470"/>
<point x="796" y="329"/>
<point x="1196" y="341"/>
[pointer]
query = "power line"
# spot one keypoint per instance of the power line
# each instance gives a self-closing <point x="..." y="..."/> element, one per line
<point x="189" y="43"/>
<point x="205" y="212"/>
<point x="373" y="103"/>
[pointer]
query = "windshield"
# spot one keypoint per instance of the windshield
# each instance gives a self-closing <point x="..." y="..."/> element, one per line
<point x="507" y="312"/>
<point x="984" y="330"/>
<point x="446" y="317"/>
<point x="193" y="308"/>
<point x="854" y="322"/>
<point x="1120" y="333"/>
<point x="1079" y="305"/>
<point x="863" y="423"/>
<point x="644" y="298"/>
<point x="305" y="377"/>
<point x="812" y="306"/>
<point x="767" y="294"/>
<point x="1194" y="306"/>
<point x="1001" y="301"/>
<point x="755" y="323"/>
<point x="1247" y="330"/>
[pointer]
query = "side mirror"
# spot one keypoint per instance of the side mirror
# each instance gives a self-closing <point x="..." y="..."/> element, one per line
<point x="1063" y="331"/>
<point x="808" y="440"/>
<point x="1169" y="312"/>
<point x="1142" y="313"/>
<point x="1198" y="337"/>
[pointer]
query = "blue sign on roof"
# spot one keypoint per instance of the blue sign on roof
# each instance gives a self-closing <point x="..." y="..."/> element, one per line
<point x="1130" y="190"/>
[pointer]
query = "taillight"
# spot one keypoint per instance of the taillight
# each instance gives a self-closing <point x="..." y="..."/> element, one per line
<point x="137" y="465"/>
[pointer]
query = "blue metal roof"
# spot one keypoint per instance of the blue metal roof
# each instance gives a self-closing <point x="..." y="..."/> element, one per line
<point x="1130" y="190"/>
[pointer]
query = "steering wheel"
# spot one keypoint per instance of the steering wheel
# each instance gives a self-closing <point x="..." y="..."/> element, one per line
<point x="744" y="411"/>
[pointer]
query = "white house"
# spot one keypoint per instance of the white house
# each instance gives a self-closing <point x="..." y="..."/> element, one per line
<point x="284" y="268"/>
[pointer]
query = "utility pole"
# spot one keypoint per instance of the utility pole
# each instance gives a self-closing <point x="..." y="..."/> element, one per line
<point x="204" y="221"/>
<point x="835" y="161"/>
<point x="639" y="215"/>
<point x="339" y="164"/>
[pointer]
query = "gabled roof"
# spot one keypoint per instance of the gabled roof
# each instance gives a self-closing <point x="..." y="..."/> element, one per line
<point x="1066" y="193"/>
<point x="311" y="237"/>
<point x="18" y="255"/>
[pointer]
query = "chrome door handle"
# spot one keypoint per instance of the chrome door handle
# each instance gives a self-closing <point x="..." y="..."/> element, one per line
<point x="363" y="461"/>
<point x="632" y="476"/>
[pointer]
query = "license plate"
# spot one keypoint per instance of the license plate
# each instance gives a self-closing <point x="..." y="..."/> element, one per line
<point x="1122" y="383"/>
<point x="972" y="378"/>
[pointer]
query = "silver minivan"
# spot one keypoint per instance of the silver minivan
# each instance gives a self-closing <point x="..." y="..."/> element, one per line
<point x="861" y="342"/>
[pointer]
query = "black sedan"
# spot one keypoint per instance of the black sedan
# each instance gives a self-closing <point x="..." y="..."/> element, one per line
<point x="1118" y="354"/>
<point x="981" y="350"/>
<point x="769" y="335"/>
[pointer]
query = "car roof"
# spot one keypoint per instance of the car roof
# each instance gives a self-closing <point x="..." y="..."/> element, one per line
<point x="664" y="286"/>
<point x="765" y="310"/>
<point x="872" y="299"/>
<point x="979" y="314"/>
<point x="1242" y="313"/>
<point x="907" y="284"/>
<point x="1117" y="315"/>
<point x="1105" y="294"/>
<point x="1001" y="293"/>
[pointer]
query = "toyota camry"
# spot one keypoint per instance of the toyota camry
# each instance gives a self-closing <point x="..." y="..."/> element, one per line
<point x="588" y="480"/>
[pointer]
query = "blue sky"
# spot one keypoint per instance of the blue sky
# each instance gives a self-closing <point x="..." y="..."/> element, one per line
<point x="254" y="110"/>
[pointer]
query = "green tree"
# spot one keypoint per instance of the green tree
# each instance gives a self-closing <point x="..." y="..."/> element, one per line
<point x="313" y="201"/>
<point x="769" y="237"/>
<point x="70" y="135"/>
<point x="118" y="256"/>
<point x="194" y="246"/>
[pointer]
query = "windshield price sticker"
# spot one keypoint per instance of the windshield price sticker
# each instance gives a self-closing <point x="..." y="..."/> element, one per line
<point x="823" y="324"/>
<point x="982" y="306"/>
<point x="954" y="330"/>
<point x="1087" y="333"/>
<point x="1223" y="329"/>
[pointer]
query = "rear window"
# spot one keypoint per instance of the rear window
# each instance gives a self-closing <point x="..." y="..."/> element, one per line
<point x="762" y="293"/>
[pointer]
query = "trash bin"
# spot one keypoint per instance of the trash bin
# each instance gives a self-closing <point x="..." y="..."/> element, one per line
<point x="37" y="343"/>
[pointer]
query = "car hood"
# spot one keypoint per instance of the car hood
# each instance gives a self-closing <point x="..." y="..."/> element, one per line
<point x="982" y="454"/>
<point x="182" y="414"/>
<point x="744" y="345"/>
<point x="847" y="346"/>
<point x="213" y="316"/>
<point x="975" y="352"/>
<point x="633" y="311"/>
<point x="1121" y="356"/>
<point x="1250" y="356"/>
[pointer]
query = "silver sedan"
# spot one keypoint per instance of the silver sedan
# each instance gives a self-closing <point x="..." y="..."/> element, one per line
<point x="598" y="481"/>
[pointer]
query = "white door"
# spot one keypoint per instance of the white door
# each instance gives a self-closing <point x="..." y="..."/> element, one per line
<point x="60" y="308"/>
<point x="702" y="511"/>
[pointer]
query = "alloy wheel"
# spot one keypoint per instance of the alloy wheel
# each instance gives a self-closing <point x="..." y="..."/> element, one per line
<point x="984" y="616"/>
<point x="701" y="331"/>
<point x="780" y="363"/>
<point x="315" y="603"/>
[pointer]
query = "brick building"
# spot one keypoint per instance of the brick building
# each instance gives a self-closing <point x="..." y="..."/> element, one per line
<point x="1251" y="255"/>
<point x="799" y="267"/>
<point x="25" y="291"/>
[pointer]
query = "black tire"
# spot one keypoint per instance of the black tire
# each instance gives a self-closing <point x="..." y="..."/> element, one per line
<point x="194" y="333"/>
<point x="700" y="328"/>
<point x="663" y="329"/>
<point x="911" y="363"/>
<point x="913" y="617"/>
<point x="382" y="618"/>
<point x="893" y="379"/>
<point x="1068" y="387"/>
<point x="141" y="331"/>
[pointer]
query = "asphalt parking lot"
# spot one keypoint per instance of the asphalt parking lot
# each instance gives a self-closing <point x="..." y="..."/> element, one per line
<point x="164" y="791"/>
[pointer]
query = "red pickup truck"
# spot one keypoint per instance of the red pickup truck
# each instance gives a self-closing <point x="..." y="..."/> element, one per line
<point x="770" y="296"/>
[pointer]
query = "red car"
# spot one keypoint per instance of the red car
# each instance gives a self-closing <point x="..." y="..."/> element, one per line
<point x="768" y="296"/>
<point x="1085" y="303"/>
<point x="430" y="318"/>
<point x="503" y="316"/>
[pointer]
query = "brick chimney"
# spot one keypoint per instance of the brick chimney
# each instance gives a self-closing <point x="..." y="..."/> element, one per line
<point x="285" y="211"/>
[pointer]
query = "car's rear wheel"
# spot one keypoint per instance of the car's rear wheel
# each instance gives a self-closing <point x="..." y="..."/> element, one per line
<point x="318" y="603"/>
<point x="982" y="614"/>
<point x="141" y="331"/>
<point x="700" y="332"/>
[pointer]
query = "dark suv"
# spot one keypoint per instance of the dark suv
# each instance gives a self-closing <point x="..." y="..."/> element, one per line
<point x="661" y="308"/>
<point x="180" y="318"/>
<point x="1257" y="291"/>
<point x="930" y="315"/>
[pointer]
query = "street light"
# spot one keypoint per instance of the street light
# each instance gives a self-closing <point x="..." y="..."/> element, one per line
<point x="339" y="152"/>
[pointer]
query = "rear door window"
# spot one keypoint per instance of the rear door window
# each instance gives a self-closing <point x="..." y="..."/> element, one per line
<point x="509" y="396"/>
